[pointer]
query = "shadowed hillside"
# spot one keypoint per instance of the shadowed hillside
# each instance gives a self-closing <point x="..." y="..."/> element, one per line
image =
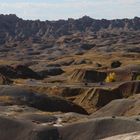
<point x="38" y="39"/>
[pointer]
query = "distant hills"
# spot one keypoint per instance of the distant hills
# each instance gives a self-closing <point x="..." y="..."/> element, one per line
<point x="86" y="32"/>
<point x="12" y="27"/>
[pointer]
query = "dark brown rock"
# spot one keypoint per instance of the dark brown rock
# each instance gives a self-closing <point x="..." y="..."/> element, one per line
<point x="19" y="96"/>
<point x="25" y="72"/>
<point x="18" y="71"/>
<point x="87" y="75"/>
<point x="115" y="64"/>
<point x="4" y="80"/>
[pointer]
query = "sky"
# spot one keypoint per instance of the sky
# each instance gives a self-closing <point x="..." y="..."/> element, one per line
<point x="64" y="9"/>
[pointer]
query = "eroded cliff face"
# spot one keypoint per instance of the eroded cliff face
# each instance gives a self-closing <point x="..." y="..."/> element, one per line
<point x="14" y="28"/>
<point x="26" y="39"/>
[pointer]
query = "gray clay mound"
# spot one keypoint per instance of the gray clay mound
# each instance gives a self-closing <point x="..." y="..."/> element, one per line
<point x="120" y="107"/>
<point x="19" y="96"/>
<point x="99" y="128"/>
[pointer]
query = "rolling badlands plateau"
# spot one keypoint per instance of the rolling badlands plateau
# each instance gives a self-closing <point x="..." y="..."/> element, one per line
<point x="75" y="79"/>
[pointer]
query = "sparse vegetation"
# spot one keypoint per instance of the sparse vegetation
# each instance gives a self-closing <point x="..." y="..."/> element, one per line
<point x="111" y="77"/>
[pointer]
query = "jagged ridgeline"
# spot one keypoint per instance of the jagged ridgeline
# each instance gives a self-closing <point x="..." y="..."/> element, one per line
<point x="16" y="28"/>
<point x="39" y="39"/>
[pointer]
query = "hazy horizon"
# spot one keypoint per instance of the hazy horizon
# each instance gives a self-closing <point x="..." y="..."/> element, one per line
<point x="64" y="9"/>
